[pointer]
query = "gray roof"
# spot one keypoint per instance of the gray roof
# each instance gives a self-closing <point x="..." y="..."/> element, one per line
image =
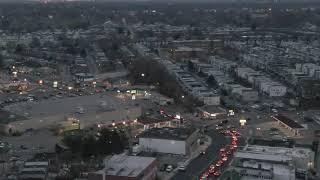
<point x="168" y="133"/>
<point x="129" y="166"/>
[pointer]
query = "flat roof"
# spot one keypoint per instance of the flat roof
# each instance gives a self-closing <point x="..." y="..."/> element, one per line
<point x="287" y="121"/>
<point x="212" y="109"/>
<point x="152" y="120"/>
<point x="128" y="166"/>
<point x="263" y="156"/>
<point x="180" y="134"/>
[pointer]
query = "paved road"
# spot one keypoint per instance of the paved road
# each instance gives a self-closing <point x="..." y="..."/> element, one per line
<point x="198" y="165"/>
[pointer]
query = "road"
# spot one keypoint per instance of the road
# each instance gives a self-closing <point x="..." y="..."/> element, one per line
<point x="198" y="165"/>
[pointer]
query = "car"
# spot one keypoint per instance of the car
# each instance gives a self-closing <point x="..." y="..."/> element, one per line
<point x="182" y="168"/>
<point x="222" y="150"/>
<point x="169" y="168"/>
<point x="234" y="143"/>
<point x="205" y="175"/>
<point x="212" y="169"/>
<point x="219" y="163"/>
<point x="223" y="154"/>
<point x="225" y="158"/>
<point x="217" y="173"/>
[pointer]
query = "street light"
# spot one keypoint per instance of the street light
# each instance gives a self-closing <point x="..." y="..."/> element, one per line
<point x="142" y="74"/>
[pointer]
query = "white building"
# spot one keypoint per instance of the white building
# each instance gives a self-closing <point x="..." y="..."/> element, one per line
<point x="169" y="140"/>
<point x="123" y="167"/>
<point x="263" y="165"/>
<point x="273" y="89"/>
<point x="302" y="158"/>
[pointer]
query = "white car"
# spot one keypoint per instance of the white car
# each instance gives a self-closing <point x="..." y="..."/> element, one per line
<point x="169" y="168"/>
<point x="182" y="168"/>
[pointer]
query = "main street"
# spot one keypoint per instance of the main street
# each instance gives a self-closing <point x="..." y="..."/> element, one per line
<point x="201" y="163"/>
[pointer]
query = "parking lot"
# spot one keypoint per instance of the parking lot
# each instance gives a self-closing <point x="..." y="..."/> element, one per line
<point x="88" y="109"/>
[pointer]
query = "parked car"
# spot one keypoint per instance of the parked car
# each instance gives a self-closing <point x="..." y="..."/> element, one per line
<point x="169" y="168"/>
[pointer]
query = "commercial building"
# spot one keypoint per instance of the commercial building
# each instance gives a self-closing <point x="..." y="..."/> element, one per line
<point x="212" y="112"/>
<point x="289" y="124"/>
<point x="123" y="167"/>
<point x="181" y="141"/>
<point x="154" y="122"/>
<point x="263" y="165"/>
<point x="302" y="158"/>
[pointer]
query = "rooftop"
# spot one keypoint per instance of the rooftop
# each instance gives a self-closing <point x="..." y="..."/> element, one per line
<point x="212" y="109"/>
<point x="293" y="152"/>
<point x="152" y="120"/>
<point x="289" y="122"/>
<point x="129" y="166"/>
<point x="263" y="156"/>
<point x="168" y="133"/>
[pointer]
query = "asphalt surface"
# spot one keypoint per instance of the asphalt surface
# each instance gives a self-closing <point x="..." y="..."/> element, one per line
<point x="201" y="163"/>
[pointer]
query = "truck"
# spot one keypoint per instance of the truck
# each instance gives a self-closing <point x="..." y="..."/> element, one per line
<point x="136" y="149"/>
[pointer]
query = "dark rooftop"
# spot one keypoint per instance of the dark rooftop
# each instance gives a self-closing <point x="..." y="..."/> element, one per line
<point x="168" y="133"/>
<point x="152" y="120"/>
<point x="272" y="142"/>
<point x="289" y="122"/>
